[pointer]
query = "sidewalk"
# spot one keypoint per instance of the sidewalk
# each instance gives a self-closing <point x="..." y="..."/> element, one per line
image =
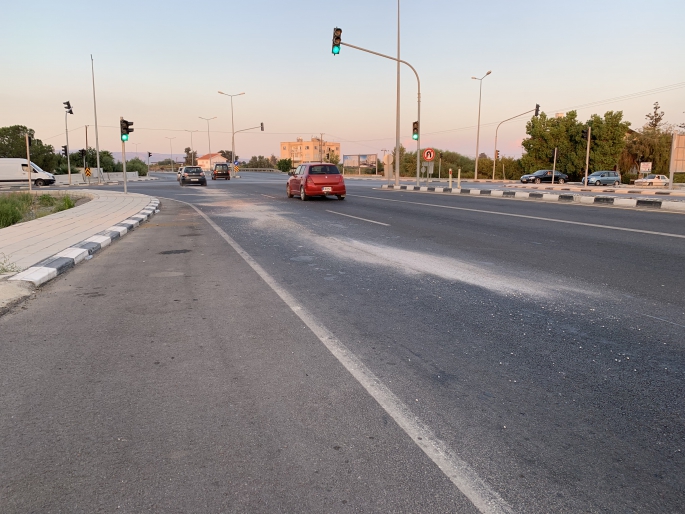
<point x="26" y="244"/>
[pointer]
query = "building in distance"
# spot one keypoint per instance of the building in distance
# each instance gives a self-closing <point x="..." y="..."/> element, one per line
<point x="204" y="161"/>
<point x="315" y="150"/>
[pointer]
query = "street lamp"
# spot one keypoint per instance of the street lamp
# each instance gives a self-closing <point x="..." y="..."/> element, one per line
<point x="192" y="148"/>
<point x="232" y="128"/>
<point x="68" y="110"/>
<point x="480" y="94"/>
<point x="171" y="152"/>
<point x="209" y="141"/>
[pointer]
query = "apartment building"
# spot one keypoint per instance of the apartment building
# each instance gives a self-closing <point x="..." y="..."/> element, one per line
<point x="309" y="151"/>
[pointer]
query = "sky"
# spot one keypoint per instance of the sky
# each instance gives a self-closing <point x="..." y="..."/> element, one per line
<point x="161" y="63"/>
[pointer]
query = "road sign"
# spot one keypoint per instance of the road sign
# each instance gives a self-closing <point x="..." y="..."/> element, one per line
<point x="428" y="154"/>
<point x="645" y="166"/>
<point x="87" y="172"/>
<point x="236" y="169"/>
<point x="430" y="167"/>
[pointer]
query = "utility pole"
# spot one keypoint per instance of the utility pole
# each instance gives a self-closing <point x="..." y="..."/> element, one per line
<point x="171" y="152"/>
<point x="396" y="164"/>
<point x="554" y="166"/>
<point x="480" y="96"/>
<point x="28" y="158"/>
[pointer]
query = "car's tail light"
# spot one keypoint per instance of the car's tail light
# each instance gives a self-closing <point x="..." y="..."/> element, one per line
<point x="310" y="181"/>
<point x="185" y="174"/>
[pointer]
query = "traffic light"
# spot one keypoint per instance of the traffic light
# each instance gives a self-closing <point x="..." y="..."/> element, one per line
<point x="125" y="128"/>
<point x="30" y="140"/>
<point x="149" y="154"/>
<point x="415" y="131"/>
<point x="537" y="109"/>
<point x="584" y="133"/>
<point x="82" y="152"/>
<point x="337" y="40"/>
<point x="262" y="126"/>
<point x="67" y="106"/>
<point x="64" y="150"/>
<point x="496" y="154"/>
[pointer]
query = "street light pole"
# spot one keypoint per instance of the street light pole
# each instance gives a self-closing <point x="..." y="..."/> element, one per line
<point x="494" y="158"/>
<point x="418" y="81"/>
<point x="480" y="95"/>
<point x="171" y="152"/>
<point x="397" y="110"/>
<point x="95" y="110"/>
<point x="67" y="106"/>
<point x="209" y="141"/>
<point x="233" y="159"/>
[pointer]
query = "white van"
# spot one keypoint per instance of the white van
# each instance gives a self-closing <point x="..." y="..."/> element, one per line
<point x="16" y="170"/>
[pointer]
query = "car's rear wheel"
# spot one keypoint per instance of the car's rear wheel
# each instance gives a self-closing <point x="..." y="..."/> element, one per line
<point x="598" y="183"/>
<point x="617" y="183"/>
<point x="341" y="197"/>
<point x="303" y="195"/>
<point x="561" y="181"/>
<point x="537" y="180"/>
<point x="287" y="191"/>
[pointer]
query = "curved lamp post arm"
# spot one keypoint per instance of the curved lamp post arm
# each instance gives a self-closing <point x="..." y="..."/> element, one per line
<point x="494" y="160"/>
<point x="418" y="81"/>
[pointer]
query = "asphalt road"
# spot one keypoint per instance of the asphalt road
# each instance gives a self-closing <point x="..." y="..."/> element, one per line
<point x="538" y="349"/>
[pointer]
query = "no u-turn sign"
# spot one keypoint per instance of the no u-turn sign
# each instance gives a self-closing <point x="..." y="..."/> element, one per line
<point x="428" y="154"/>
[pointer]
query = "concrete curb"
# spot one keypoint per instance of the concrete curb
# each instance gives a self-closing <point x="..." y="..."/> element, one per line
<point x="53" y="266"/>
<point x="552" y="197"/>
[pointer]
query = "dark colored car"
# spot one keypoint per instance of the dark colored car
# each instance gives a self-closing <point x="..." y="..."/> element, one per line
<point x="221" y="170"/>
<point x="316" y="179"/>
<point x="602" y="178"/>
<point x="544" y="176"/>
<point x="193" y="175"/>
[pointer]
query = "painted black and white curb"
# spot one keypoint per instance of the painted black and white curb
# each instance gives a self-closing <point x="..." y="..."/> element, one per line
<point x="62" y="261"/>
<point x="552" y="197"/>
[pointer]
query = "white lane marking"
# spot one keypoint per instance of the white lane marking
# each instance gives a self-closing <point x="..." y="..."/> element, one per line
<point x="479" y="492"/>
<point x="357" y="218"/>
<point x="595" y="225"/>
<point x="269" y="196"/>
<point x="661" y="319"/>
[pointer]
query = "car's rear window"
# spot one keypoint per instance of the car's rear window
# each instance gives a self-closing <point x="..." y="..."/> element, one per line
<point x="192" y="170"/>
<point x="221" y="166"/>
<point x="324" y="169"/>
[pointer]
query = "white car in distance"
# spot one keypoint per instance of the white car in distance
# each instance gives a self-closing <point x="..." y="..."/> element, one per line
<point x="653" y="180"/>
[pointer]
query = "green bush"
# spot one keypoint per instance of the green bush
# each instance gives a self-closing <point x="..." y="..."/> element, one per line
<point x="9" y="214"/>
<point x="64" y="203"/>
<point x="46" y="200"/>
<point x="679" y="178"/>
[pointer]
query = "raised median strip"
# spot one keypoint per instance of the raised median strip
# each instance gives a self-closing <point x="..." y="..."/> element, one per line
<point x="44" y="248"/>
<point x="648" y="203"/>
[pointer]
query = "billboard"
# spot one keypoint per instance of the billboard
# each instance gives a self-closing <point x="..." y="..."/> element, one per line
<point x="360" y="161"/>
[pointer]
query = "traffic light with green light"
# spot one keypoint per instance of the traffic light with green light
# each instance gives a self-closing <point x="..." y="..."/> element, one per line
<point x="337" y="40"/>
<point x="125" y="128"/>
<point x="415" y="131"/>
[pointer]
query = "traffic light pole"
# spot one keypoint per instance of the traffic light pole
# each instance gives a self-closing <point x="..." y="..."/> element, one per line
<point x="123" y="156"/>
<point x="230" y="170"/>
<point x="587" y="155"/>
<point x="496" y="130"/>
<point x="418" y="140"/>
<point x="66" y="129"/>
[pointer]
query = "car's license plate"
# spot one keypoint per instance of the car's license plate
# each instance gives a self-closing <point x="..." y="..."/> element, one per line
<point x="194" y="179"/>
<point x="326" y="189"/>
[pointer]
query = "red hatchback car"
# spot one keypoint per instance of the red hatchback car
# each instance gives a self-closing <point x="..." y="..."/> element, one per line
<point x="316" y="179"/>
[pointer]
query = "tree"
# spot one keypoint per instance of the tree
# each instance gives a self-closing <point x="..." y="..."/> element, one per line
<point x="228" y="155"/>
<point x="654" y="119"/>
<point x="285" y="165"/>
<point x="334" y="158"/>
<point x="13" y="145"/>
<point x="258" y="162"/>
<point x="608" y="140"/>
<point x="190" y="158"/>
<point x="646" y="145"/>
<point x="273" y="161"/>
<point x="137" y="165"/>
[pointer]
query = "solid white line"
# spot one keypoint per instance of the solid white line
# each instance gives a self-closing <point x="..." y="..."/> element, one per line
<point x="664" y="320"/>
<point x="357" y="218"/>
<point x="268" y="196"/>
<point x="483" y="497"/>
<point x="609" y="227"/>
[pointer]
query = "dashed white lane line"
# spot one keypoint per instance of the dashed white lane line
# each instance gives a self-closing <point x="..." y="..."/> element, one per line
<point x="358" y="218"/>
<point x="567" y="222"/>
<point x="269" y="196"/>
<point x="477" y="490"/>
